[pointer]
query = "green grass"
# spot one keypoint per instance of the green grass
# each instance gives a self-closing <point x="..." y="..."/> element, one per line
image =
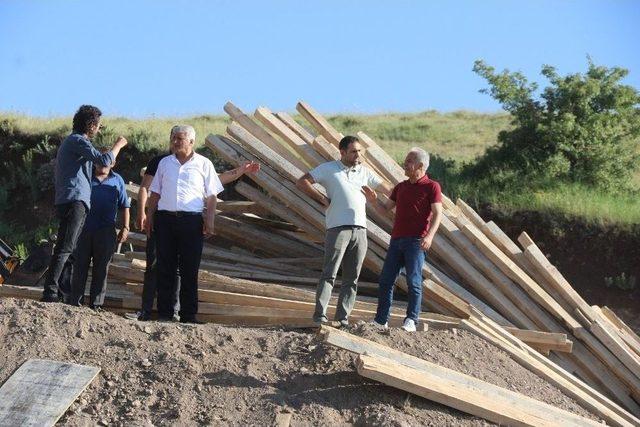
<point x="460" y="136"/>
<point x="151" y="133"/>
<point x="572" y="200"/>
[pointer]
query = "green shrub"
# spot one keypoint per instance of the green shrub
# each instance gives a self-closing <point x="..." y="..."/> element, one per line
<point x="581" y="128"/>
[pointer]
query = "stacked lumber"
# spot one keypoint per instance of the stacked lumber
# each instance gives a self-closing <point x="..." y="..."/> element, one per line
<point x="474" y="271"/>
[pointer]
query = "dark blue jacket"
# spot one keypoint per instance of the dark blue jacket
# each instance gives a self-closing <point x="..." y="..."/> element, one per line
<point x="74" y="169"/>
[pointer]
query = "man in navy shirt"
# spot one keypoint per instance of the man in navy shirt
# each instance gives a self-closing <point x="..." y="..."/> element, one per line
<point x="98" y="239"/>
<point x="74" y="165"/>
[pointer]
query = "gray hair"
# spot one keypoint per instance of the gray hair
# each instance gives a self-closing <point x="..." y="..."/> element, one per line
<point x="188" y="129"/>
<point x="421" y="156"/>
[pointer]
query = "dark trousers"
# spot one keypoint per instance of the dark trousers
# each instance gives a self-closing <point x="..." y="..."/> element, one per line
<point x="71" y="216"/>
<point x="151" y="279"/>
<point x="96" y="247"/>
<point x="179" y="245"/>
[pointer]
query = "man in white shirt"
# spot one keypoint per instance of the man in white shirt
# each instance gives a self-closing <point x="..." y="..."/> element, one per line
<point x="346" y="222"/>
<point x="182" y="208"/>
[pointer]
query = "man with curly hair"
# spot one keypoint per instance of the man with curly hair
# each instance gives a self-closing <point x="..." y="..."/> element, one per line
<point x="73" y="173"/>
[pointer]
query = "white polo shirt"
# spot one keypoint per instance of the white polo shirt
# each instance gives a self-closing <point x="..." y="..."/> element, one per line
<point x="185" y="187"/>
<point x="344" y="188"/>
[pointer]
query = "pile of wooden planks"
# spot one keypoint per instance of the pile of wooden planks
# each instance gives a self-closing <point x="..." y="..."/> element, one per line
<point x="474" y="272"/>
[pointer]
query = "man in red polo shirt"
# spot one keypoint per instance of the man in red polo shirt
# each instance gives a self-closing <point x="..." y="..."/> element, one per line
<point x="418" y="203"/>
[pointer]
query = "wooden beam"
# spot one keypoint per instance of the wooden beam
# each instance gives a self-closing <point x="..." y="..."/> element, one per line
<point x="301" y="147"/>
<point x="442" y="296"/>
<point x="554" y="278"/>
<point x="278" y="209"/>
<point x="322" y="146"/>
<point x="480" y="283"/>
<point x="383" y="162"/>
<point x="470" y="395"/>
<point x="300" y="130"/>
<point x="546" y="340"/>
<point x="320" y="124"/>
<point x="514" y="272"/>
<point x="518" y="296"/>
<point x="258" y="132"/>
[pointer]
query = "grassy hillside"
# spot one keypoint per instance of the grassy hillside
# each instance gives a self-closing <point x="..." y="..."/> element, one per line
<point x="459" y="136"/>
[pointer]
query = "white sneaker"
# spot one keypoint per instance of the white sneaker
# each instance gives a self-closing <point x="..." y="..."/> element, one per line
<point x="409" y="325"/>
<point x="380" y="326"/>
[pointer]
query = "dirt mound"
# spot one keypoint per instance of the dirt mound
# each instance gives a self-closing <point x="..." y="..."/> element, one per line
<point x="167" y="373"/>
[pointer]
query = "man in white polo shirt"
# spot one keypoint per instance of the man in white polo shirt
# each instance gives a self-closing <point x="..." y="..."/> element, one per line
<point x="182" y="208"/>
<point x="346" y="222"/>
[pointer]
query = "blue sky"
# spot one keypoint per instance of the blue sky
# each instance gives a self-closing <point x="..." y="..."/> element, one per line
<point x="179" y="58"/>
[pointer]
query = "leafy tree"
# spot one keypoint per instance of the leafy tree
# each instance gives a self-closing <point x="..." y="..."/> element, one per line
<point x="581" y="128"/>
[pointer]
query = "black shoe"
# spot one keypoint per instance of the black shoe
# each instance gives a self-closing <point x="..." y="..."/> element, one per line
<point x="50" y="298"/>
<point x="191" y="320"/>
<point x="144" y="316"/>
<point x="165" y="319"/>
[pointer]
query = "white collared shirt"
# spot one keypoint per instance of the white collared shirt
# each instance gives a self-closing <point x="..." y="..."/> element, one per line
<point x="344" y="188"/>
<point x="185" y="187"/>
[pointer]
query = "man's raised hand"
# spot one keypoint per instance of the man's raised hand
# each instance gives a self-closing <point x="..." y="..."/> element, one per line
<point x="369" y="194"/>
<point x="249" y="167"/>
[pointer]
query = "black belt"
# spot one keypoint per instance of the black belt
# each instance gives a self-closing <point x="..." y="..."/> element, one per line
<point x="179" y="213"/>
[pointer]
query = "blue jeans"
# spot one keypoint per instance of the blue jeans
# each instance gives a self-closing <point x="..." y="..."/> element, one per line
<point x="403" y="252"/>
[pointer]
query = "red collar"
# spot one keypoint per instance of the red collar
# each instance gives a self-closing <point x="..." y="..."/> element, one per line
<point x="425" y="179"/>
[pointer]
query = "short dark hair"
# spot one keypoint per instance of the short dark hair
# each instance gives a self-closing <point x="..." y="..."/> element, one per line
<point x="347" y="141"/>
<point x="85" y="117"/>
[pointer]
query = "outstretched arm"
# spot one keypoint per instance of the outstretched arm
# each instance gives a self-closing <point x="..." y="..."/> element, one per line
<point x="233" y="174"/>
<point x="378" y="204"/>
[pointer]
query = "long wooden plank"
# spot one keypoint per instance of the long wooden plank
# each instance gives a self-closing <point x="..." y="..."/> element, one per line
<point x="555" y="278"/>
<point x="322" y="146"/>
<point x="615" y="344"/>
<point x="518" y="296"/>
<point x="540" y="296"/>
<point x="508" y="246"/>
<point x="480" y="399"/>
<point x="278" y="209"/>
<point x="629" y="335"/>
<point x="255" y="237"/>
<point x="299" y="130"/>
<point x="388" y="166"/>
<point x="451" y="301"/>
<point x="514" y="272"/>
<point x="480" y="283"/>
<point x="321" y="124"/>
<point x="600" y="373"/>
<point x="546" y="340"/>
<point x="254" y="129"/>
<point x="301" y="147"/>
<point x="300" y="204"/>
<point x="40" y="391"/>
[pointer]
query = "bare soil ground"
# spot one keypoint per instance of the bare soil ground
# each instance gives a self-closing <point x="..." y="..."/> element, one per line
<point x="167" y="373"/>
